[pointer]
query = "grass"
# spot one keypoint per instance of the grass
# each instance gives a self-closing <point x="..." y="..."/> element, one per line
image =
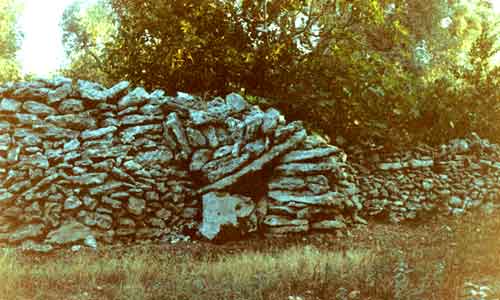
<point x="414" y="261"/>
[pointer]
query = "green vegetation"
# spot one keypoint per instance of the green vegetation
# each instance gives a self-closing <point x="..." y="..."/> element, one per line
<point x="9" y="40"/>
<point x="375" y="262"/>
<point x="387" y="71"/>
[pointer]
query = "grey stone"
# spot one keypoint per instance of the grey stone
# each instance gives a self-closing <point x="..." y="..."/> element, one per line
<point x="26" y="232"/>
<point x="38" y="108"/>
<point x="59" y="93"/>
<point x="283" y="230"/>
<point x="255" y="148"/>
<point x="287" y="183"/>
<point x="136" y="206"/>
<point x="390" y="166"/>
<point x="89" y="178"/>
<point x="199" y="159"/>
<point x="273" y="220"/>
<point x="211" y="135"/>
<point x="196" y="138"/>
<point x="257" y="165"/>
<point x="427" y="184"/>
<point x="94" y="134"/>
<point x="271" y="121"/>
<point x="118" y="89"/>
<point x="219" y="168"/>
<point x="155" y="157"/>
<point x="67" y="233"/>
<point x="236" y="102"/>
<point x="71" y="145"/>
<point x="91" y="91"/>
<point x="224" y="214"/>
<point x="328" y="225"/>
<point x="302" y="155"/>
<point x="106" y="152"/>
<point x="139" y="119"/>
<point x="222" y="151"/>
<point x="32" y="246"/>
<point x="199" y="117"/>
<point x="419" y="163"/>
<point x="136" y="97"/>
<point x="328" y="199"/>
<point x="10" y="105"/>
<point x="72" y="121"/>
<point x="129" y="134"/>
<point x="174" y="123"/>
<point x="455" y="202"/>
<point x="308" y="168"/>
<point x="72" y="202"/>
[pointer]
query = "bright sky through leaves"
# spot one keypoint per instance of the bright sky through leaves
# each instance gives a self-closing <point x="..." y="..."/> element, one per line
<point x="42" y="51"/>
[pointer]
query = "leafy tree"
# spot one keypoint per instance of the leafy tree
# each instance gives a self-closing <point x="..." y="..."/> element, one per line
<point x="10" y="38"/>
<point x="87" y="32"/>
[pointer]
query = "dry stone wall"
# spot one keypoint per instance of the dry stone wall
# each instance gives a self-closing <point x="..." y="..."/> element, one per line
<point x="85" y="164"/>
<point x="409" y="185"/>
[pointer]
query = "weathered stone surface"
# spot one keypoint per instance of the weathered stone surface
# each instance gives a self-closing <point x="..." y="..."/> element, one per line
<point x="136" y="97"/>
<point x="91" y="91"/>
<point x="328" y="225"/>
<point x="287" y="183"/>
<point x="236" y="102"/>
<point x="67" y="233"/>
<point x="257" y="164"/>
<point x="32" y="246"/>
<point x="10" y="105"/>
<point x="136" y="206"/>
<point x="174" y="123"/>
<point x="227" y="216"/>
<point x="94" y="134"/>
<point x="72" y="121"/>
<point x="308" y="168"/>
<point x="301" y="155"/>
<point x="329" y="199"/>
<point x="59" y="93"/>
<point x="26" y="232"/>
<point x="272" y="220"/>
<point x="38" y="108"/>
<point x="199" y="159"/>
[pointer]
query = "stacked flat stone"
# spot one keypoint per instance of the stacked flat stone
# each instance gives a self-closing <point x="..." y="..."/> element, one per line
<point x="310" y="190"/>
<point x="454" y="178"/>
<point x="80" y="162"/>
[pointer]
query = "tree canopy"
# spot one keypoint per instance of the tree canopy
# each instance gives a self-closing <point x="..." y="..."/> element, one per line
<point x="9" y="40"/>
<point x="388" y="71"/>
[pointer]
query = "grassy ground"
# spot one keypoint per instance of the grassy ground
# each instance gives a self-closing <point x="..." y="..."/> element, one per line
<point x="380" y="261"/>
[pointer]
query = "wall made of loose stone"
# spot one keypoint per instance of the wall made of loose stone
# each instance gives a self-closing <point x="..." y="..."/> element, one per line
<point x="81" y="163"/>
<point x="408" y="185"/>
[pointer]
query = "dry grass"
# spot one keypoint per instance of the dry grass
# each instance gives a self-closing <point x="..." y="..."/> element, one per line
<point x="381" y="262"/>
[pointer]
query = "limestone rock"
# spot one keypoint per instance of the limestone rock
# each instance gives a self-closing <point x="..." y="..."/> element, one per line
<point x="94" y="134"/>
<point x="26" y="232"/>
<point x="67" y="233"/>
<point x="10" y="105"/>
<point x="301" y="155"/>
<point x="38" y="108"/>
<point x="328" y="199"/>
<point x="227" y="216"/>
<point x="257" y="164"/>
<point x="136" y="97"/>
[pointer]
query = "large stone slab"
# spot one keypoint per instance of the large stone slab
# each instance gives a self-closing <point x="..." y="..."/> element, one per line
<point x="301" y="155"/>
<point x="227" y="217"/>
<point x="329" y="199"/>
<point x="68" y="233"/>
